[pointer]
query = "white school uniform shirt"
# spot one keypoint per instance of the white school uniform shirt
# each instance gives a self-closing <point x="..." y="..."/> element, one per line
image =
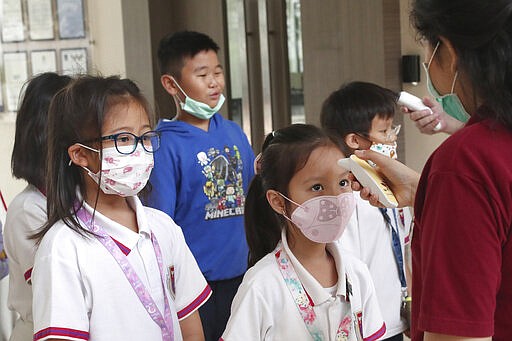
<point x="264" y="309"/>
<point x="369" y="238"/>
<point x="81" y="293"/>
<point x="26" y="214"/>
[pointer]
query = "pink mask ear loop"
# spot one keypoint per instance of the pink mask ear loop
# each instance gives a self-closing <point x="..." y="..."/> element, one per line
<point x="290" y="200"/>
<point x="284" y="215"/>
<point x="293" y="202"/>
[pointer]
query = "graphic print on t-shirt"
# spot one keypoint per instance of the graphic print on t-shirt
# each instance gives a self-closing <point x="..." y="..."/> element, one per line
<point x="223" y="182"/>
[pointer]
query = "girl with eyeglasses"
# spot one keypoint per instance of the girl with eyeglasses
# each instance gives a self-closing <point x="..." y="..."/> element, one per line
<point x="108" y="268"/>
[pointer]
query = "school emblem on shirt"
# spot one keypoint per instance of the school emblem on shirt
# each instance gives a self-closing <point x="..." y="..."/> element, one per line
<point x="171" y="281"/>
<point x="223" y="182"/>
<point x="358" y="325"/>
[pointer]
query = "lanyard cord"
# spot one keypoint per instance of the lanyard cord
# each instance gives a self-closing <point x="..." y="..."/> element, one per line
<point x="164" y="322"/>
<point x="303" y="302"/>
<point x="396" y="245"/>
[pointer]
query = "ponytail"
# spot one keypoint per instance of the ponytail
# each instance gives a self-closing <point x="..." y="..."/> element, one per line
<point x="262" y="225"/>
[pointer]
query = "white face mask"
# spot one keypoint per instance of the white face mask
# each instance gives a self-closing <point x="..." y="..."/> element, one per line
<point x="385" y="149"/>
<point x="123" y="174"/>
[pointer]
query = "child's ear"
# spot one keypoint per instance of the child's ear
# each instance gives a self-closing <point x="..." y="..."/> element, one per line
<point x="169" y="84"/>
<point x="276" y="201"/>
<point x="353" y="141"/>
<point x="78" y="156"/>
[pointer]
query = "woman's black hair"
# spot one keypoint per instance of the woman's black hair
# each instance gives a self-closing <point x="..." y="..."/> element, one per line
<point x="284" y="153"/>
<point x="28" y="160"/>
<point x="352" y="107"/>
<point x="481" y="33"/>
<point x="76" y="115"/>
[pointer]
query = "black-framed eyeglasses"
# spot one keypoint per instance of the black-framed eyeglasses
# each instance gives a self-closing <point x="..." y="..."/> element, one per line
<point x="126" y="143"/>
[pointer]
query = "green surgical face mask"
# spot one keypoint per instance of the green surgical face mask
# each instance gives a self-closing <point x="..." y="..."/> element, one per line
<point x="199" y="109"/>
<point x="450" y="102"/>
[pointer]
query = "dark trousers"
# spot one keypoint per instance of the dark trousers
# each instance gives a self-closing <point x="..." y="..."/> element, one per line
<point x="215" y="312"/>
<point x="397" y="337"/>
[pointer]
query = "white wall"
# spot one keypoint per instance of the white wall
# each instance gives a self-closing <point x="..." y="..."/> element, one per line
<point x="9" y="186"/>
<point x="418" y="147"/>
<point x="107" y="55"/>
<point x="106" y="31"/>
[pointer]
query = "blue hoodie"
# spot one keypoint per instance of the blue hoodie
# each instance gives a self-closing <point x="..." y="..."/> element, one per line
<point x="200" y="179"/>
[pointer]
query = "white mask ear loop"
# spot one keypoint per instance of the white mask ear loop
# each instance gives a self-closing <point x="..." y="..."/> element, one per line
<point x="454" y="80"/>
<point x="430" y="62"/>
<point x="179" y="103"/>
<point x="179" y="87"/>
<point x="433" y="54"/>
<point x="86" y="147"/>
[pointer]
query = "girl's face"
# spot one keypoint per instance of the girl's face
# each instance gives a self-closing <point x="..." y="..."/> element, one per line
<point x="320" y="176"/>
<point x="124" y="117"/>
<point x="128" y="117"/>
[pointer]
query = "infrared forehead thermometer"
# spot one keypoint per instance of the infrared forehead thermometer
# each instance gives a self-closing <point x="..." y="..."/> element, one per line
<point x="368" y="177"/>
<point x="414" y="103"/>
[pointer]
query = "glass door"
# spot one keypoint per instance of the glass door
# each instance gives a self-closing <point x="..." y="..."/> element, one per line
<point x="295" y="60"/>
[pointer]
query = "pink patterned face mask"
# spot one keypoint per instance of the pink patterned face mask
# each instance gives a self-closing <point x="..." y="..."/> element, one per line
<point x="323" y="219"/>
<point x="123" y="174"/>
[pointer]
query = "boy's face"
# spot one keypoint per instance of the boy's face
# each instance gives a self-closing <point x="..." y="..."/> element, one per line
<point x="202" y="78"/>
<point x="382" y="130"/>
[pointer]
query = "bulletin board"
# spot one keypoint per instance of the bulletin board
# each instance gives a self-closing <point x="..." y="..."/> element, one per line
<point x="40" y="36"/>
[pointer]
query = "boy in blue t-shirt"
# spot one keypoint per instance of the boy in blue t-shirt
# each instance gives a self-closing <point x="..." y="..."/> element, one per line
<point x="202" y="170"/>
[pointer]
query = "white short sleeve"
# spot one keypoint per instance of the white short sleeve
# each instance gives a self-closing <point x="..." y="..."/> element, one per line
<point x="26" y="214"/>
<point x="372" y="322"/>
<point x="59" y="297"/>
<point x="184" y="278"/>
<point x="250" y="316"/>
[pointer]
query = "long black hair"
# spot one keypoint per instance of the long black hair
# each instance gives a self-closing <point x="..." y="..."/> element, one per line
<point x="28" y="159"/>
<point x="481" y="33"/>
<point x="284" y="153"/>
<point x="76" y="115"/>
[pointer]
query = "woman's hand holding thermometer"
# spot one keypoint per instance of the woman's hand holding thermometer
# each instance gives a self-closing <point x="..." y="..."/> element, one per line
<point x="414" y="103"/>
<point x="368" y="177"/>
